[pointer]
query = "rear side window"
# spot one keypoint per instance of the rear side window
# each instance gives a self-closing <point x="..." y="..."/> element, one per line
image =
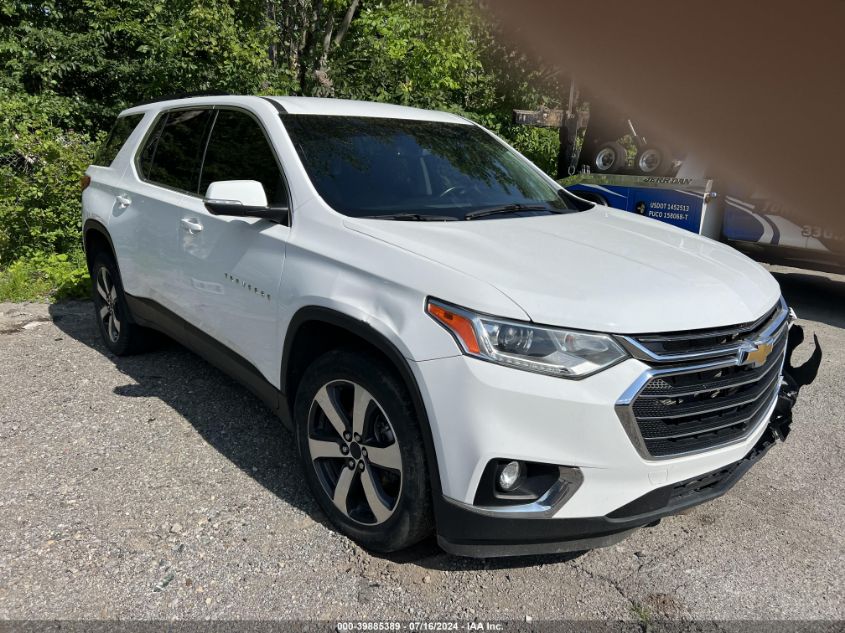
<point x="239" y="150"/>
<point x="121" y="131"/>
<point x="173" y="152"/>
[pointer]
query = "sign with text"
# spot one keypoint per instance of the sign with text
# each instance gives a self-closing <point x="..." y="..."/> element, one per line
<point x="539" y="118"/>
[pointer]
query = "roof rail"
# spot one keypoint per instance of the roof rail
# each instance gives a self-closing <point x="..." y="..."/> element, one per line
<point x="183" y="95"/>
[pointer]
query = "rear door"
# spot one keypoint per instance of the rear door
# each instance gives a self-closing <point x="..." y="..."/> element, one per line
<point x="232" y="266"/>
<point x="160" y="187"/>
<point x="101" y="199"/>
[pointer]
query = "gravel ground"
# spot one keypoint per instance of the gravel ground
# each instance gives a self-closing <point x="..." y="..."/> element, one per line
<point x="153" y="487"/>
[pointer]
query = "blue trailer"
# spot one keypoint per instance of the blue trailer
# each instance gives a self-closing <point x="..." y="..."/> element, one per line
<point x="755" y="225"/>
<point x="605" y="158"/>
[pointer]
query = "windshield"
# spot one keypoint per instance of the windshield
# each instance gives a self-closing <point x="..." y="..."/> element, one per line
<point x="372" y="167"/>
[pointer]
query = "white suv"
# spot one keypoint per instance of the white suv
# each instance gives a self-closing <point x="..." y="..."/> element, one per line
<point x="457" y="343"/>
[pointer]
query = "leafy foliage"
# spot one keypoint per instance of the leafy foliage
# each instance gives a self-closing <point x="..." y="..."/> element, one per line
<point x="424" y="55"/>
<point x="54" y="276"/>
<point x="69" y="66"/>
<point x="539" y="145"/>
<point x="105" y="54"/>
<point x="40" y="168"/>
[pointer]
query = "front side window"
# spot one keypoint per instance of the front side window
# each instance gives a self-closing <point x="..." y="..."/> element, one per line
<point x="173" y="152"/>
<point x="122" y="130"/>
<point x="239" y="150"/>
<point x="365" y="166"/>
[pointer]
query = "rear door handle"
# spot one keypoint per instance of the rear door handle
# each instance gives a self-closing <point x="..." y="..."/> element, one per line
<point x="123" y="201"/>
<point x="191" y="225"/>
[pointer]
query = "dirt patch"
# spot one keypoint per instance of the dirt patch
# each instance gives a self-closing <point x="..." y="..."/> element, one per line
<point x="15" y="317"/>
<point x="664" y="604"/>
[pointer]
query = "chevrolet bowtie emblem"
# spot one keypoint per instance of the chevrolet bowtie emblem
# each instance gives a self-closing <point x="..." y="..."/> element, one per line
<point x="755" y="354"/>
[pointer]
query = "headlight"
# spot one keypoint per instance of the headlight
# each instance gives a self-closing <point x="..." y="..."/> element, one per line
<point x="552" y="351"/>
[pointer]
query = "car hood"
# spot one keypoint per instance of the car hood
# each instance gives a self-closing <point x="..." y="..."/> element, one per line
<point x="601" y="269"/>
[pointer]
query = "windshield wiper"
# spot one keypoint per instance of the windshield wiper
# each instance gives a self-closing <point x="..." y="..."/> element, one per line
<point x="506" y="208"/>
<point x="410" y="217"/>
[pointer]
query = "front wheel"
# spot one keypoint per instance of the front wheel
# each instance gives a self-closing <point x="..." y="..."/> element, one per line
<point x="362" y="450"/>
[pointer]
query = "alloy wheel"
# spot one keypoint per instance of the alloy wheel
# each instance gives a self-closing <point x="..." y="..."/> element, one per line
<point x="107" y="306"/>
<point x="355" y="452"/>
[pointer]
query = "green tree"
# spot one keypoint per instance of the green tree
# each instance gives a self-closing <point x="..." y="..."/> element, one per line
<point x="421" y="54"/>
<point x="309" y="32"/>
<point x="104" y="54"/>
<point x="40" y="168"/>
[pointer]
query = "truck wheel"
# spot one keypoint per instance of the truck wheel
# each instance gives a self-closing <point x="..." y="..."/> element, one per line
<point x="362" y="451"/>
<point x="120" y="334"/>
<point x="610" y="157"/>
<point x="653" y="160"/>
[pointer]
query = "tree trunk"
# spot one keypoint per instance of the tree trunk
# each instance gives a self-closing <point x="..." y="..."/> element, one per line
<point x="306" y="53"/>
<point x="272" y="51"/>
<point x="347" y="20"/>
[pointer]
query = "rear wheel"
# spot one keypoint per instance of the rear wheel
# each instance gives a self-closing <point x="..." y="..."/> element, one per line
<point x="653" y="160"/>
<point x="609" y="158"/>
<point x="120" y="334"/>
<point x="362" y="451"/>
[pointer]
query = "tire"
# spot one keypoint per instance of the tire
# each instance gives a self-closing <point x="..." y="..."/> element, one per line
<point x="609" y="158"/>
<point x="120" y="334"/>
<point x="383" y="503"/>
<point x="653" y="160"/>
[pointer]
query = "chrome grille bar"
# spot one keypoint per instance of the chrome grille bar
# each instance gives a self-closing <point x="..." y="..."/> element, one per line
<point x="711" y="406"/>
<point x="689" y="407"/>
<point x="642" y="346"/>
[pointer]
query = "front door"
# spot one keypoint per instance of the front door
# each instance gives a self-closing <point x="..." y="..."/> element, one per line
<point x="232" y="267"/>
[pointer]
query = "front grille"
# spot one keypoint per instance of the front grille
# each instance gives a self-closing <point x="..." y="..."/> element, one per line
<point x="690" y="407"/>
<point x="709" y="343"/>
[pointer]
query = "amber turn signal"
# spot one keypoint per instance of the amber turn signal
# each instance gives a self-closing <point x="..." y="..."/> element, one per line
<point x="459" y="325"/>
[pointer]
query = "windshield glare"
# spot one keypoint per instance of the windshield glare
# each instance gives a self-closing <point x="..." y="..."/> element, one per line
<point x="364" y="166"/>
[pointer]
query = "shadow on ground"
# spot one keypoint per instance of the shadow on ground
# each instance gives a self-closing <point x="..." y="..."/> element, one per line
<point x="236" y="424"/>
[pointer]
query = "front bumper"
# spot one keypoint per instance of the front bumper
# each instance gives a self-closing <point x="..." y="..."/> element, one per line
<point x="480" y="411"/>
<point x="463" y="532"/>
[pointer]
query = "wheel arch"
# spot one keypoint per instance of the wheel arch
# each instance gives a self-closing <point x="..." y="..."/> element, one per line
<point x="314" y="330"/>
<point x="95" y="236"/>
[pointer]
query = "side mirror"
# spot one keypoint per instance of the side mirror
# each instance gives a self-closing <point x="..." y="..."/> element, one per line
<point x="244" y="199"/>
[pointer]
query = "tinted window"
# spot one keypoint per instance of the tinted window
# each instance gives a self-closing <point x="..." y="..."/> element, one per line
<point x="173" y="152"/>
<point x="364" y="166"/>
<point x="239" y="150"/>
<point x="121" y="131"/>
<point x="145" y="159"/>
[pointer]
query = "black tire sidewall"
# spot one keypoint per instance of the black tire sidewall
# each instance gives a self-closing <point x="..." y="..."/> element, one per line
<point x="620" y="158"/>
<point x="123" y="345"/>
<point x="662" y="168"/>
<point x="411" y="520"/>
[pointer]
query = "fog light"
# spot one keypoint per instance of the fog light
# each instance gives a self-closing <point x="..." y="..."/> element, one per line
<point x="510" y="476"/>
<point x="511" y="482"/>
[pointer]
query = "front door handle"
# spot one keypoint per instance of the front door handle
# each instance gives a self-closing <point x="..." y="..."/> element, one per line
<point x="123" y="201"/>
<point x="191" y="225"/>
